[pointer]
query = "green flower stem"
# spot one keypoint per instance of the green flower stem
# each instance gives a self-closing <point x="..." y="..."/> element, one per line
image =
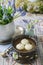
<point x="16" y="16"/>
<point x="29" y="26"/>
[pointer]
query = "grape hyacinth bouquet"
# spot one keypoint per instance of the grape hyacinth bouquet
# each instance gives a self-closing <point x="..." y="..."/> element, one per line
<point x="7" y="26"/>
<point x="5" y="15"/>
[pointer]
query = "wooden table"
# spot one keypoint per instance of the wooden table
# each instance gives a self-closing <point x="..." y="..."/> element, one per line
<point x="10" y="61"/>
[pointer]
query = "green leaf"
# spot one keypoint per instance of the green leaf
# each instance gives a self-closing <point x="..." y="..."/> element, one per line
<point x="5" y="11"/>
<point x="25" y="7"/>
<point x="1" y="1"/>
<point x="32" y="24"/>
<point x="1" y="12"/>
<point x="10" y="10"/>
<point x="41" y="8"/>
<point x="0" y="7"/>
<point x="15" y="55"/>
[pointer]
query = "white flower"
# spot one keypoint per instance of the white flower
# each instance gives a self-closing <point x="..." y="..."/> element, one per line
<point x="21" y="4"/>
<point x="36" y="8"/>
<point x="29" y="7"/>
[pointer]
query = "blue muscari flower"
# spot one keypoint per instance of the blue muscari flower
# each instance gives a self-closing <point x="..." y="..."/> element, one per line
<point x="23" y="13"/>
<point x="19" y="9"/>
<point x="25" y="21"/>
<point x="32" y="27"/>
<point x="9" y="3"/>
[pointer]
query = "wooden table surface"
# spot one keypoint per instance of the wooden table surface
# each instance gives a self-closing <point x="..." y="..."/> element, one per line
<point x="10" y="61"/>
